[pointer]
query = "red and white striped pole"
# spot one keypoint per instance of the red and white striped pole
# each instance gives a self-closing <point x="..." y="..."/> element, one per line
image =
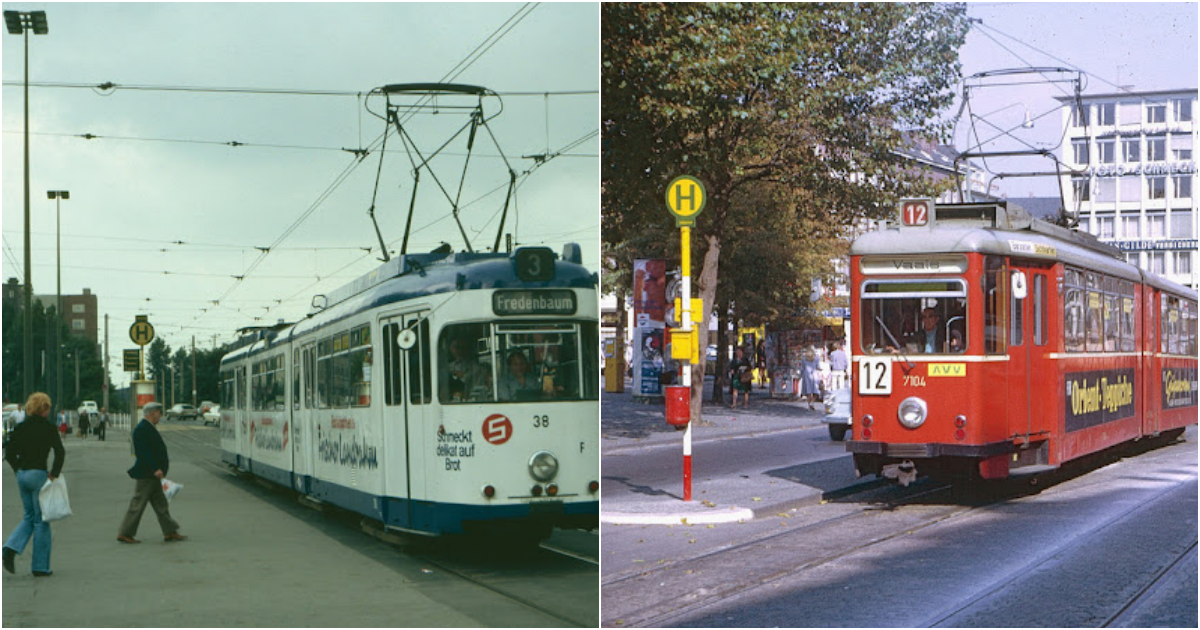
<point x="685" y="235"/>
<point x="685" y="199"/>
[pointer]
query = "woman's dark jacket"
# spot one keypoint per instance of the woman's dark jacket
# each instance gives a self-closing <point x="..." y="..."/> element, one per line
<point x="31" y="444"/>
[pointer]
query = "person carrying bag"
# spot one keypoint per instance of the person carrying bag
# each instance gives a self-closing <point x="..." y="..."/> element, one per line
<point x="28" y="453"/>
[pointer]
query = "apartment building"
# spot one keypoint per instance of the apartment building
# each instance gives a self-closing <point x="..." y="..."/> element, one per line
<point x="1135" y="176"/>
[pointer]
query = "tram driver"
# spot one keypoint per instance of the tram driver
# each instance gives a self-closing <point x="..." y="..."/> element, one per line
<point x="930" y="337"/>
<point x="518" y="382"/>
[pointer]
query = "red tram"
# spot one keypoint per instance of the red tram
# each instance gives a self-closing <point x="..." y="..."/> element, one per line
<point x="993" y="344"/>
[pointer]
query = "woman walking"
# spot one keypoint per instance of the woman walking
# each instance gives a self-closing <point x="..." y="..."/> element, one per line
<point x="28" y="453"/>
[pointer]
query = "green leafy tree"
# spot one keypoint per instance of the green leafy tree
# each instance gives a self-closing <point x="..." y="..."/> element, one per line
<point x="158" y="358"/>
<point x="808" y="101"/>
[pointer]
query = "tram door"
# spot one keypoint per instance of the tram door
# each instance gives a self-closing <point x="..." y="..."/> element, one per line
<point x="407" y="396"/>
<point x="1151" y="344"/>
<point x="1030" y="289"/>
<point x="304" y="433"/>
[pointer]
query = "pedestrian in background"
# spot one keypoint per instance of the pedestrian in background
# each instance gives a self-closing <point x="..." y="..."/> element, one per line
<point x="148" y="471"/>
<point x="740" y="376"/>
<point x="809" y="388"/>
<point x="840" y="365"/>
<point x="27" y="453"/>
<point x="85" y="423"/>
<point x="102" y="423"/>
<point x="64" y="424"/>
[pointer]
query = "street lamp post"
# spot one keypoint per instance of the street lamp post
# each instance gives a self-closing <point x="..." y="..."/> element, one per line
<point x="58" y="196"/>
<point x="20" y="23"/>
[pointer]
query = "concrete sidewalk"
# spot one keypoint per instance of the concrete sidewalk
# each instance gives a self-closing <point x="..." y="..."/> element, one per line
<point x="248" y="561"/>
<point x="629" y="427"/>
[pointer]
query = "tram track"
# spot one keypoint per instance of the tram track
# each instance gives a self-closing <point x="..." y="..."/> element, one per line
<point x="889" y="499"/>
<point x="500" y="573"/>
<point x="695" y="586"/>
<point x="1126" y="615"/>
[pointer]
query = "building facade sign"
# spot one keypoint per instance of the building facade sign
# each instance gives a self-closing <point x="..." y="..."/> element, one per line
<point x="1172" y="244"/>
<point x="1153" y="168"/>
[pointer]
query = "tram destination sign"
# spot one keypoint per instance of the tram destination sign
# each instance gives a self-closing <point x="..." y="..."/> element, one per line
<point x="533" y="302"/>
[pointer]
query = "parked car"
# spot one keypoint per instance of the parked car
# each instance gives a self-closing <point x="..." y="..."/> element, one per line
<point x="837" y="413"/>
<point x="9" y="423"/>
<point x="88" y="408"/>
<point x="213" y="415"/>
<point x="182" y="411"/>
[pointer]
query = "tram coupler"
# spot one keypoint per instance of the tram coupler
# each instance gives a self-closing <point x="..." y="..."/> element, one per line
<point x="905" y="472"/>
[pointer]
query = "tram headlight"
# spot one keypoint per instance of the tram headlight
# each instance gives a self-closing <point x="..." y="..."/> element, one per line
<point x="912" y="412"/>
<point x="543" y="466"/>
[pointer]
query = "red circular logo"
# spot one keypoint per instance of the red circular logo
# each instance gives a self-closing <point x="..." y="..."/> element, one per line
<point x="497" y="429"/>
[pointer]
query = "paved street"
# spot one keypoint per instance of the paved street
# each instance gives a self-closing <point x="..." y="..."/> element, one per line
<point x="256" y="557"/>
<point x="1114" y="545"/>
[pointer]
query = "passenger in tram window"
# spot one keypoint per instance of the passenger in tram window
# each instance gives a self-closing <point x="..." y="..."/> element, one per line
<point x="957" y="344"/>
<point x="518" y="383"/>
<point x="467" y="379"/>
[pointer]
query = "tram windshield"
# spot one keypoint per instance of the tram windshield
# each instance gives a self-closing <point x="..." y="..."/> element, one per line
<point x="917" y="316"/>
<point x="518" y="362"/>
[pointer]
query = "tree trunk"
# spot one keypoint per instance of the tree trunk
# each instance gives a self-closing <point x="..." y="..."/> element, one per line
<point x="707" y="284"/>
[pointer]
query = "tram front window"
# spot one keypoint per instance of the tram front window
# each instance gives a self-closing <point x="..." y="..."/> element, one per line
<point x="914" y="316"/>
<point x="507" y="362"/>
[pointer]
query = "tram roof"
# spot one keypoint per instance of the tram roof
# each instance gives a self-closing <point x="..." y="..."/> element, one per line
<point x="414" y="276"/>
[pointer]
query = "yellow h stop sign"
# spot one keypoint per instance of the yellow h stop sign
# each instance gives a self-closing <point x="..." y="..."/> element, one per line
<point x="685" y="199"/>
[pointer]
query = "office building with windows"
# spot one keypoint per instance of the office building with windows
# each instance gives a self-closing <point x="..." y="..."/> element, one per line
<point x="1135" y="176"/>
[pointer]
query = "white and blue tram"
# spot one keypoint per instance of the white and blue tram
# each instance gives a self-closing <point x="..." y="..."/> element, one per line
<point x="438" y="394"/>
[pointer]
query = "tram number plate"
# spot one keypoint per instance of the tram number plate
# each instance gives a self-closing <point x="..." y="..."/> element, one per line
<point x="875" y="377"/>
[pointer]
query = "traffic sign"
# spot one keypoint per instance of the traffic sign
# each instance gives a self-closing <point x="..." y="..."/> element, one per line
<point x="685" y="199"/>
<point x="131" y="360"/>
<point x="141" y="332"/>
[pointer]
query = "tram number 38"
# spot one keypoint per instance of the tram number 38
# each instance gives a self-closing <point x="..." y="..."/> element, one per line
<point x="875" y="377"/>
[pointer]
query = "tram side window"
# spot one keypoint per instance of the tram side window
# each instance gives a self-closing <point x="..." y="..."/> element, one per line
<point x="995" y="293"/>
<point x="1128" y="335"/>
<point x="227" y="390"/>
<point x="279" y="384"/>
<point x="360" y="358"/>
<point x="296" y="379"/>
<point x="339" y="381"/>
<point x="257" y="379"/>
<point x="308" y="376"/>
<point x="324" y="360"/>
<point x="391" y="364"/>
<point x="1039" y="310"/>
<point x="1171" y="325"/>
<point x="1112" y="316"/>
<point x="1095" y="314"/>
<point x="1189" y="328"/>
<point x="1016" y="333"/>
<point x="1073" y="313"/>
<point x="240" y="383"/>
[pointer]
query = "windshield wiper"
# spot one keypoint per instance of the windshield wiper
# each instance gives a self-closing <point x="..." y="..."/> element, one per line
<point x="895" y="343"/>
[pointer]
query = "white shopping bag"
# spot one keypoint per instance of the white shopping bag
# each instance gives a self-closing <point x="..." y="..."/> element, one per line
<point x="54" y="501"/>
<point x="170" y="488"/>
